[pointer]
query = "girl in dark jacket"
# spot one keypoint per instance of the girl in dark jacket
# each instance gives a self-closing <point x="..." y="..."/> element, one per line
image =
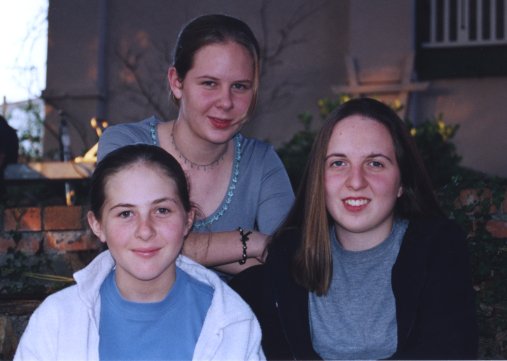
<point x="365" y="265"/>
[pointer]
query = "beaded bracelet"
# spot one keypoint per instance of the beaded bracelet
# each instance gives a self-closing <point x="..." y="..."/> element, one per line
<point x="244" y="239"/>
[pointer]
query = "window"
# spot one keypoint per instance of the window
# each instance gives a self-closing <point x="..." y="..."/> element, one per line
<point x="461" y="38"/>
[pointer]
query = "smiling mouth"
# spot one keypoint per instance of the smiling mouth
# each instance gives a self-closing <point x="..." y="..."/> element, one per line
<point x="220" y="123"/>
<point x="146" y="253"/>
<point x="355" y="204"/>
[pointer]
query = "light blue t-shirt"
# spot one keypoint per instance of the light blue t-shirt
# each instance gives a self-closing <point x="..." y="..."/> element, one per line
<point x="165" y="330"/>
<point x="259" y="194"/>
<point x="356" y="319"/>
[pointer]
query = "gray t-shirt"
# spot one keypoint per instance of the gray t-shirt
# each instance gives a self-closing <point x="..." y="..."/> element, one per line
<point x="259" y="193"/>
<point x="356" y="319"/>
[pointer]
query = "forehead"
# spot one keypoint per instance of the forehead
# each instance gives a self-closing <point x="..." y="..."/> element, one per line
<point x="362" y="134"/>
<point x="228" y="51"/>
<point x="140" y="174"/>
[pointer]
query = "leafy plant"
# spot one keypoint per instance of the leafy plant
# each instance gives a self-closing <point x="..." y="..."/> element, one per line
<point x="433" y="138"/>
<point x="474" y="200"/>
<point x="294" y="153"/>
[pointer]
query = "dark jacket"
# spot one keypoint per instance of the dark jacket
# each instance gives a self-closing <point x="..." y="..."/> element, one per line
<point x="435" y="307"/>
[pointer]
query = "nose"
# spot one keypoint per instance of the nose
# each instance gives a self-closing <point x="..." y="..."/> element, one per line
<point x="225" y="101"/>
<point x="356" y="179"/>
<point x="145" y="230"/>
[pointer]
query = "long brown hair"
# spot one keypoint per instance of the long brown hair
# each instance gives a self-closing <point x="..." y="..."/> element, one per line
<point x="312" y="264"/>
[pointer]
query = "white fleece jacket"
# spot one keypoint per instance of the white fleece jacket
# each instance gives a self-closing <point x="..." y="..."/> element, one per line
<point x="66" y="325"/>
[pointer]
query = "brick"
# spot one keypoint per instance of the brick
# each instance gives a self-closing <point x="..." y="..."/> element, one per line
<point x="71" y="241"/>
<point x="497" y="229"/>
<point x="504" y="203"/>
<point x="61" y="218"/>
<point x="472" y="196"/>
<point x="22" y="219"/>
<point x="6" y="242"/>
<point x="28" y="243"/>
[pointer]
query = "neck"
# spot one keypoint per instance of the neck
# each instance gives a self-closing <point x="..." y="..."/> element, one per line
<point x="352" y="241"/>
<point x="145" y="291"/>
<point x="201" y="155"/>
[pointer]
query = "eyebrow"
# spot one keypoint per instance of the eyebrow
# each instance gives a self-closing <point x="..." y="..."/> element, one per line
<point x="203" y="77"/>
<point x="156" y="201"/>
<point x="371" y="155"/>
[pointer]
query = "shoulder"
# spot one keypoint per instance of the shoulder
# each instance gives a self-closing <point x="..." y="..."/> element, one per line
<point x="431" y="229"/>
<point x="202" y="289"/>
<point x="227" y="307"/>
<point x="131" y="128"/>
<point x="119" y="135"/>
<point x="55" y="309"/>
<point x="256" y="149"/>
<point x="208" y="278"/>
<point x="435" y="238"/>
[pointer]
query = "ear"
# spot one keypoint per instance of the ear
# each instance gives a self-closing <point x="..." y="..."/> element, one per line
<point x="96" y="226"/>
<point x="175" y="82"/>
<point x="190" y="222"/>
<point x="400" y="191"/>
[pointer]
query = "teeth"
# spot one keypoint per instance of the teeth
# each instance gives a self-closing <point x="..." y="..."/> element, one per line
<point x="356" y="202"/>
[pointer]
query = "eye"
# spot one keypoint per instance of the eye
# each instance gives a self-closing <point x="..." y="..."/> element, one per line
<point x="163" y="210"/>
<point x="241" y="86"/>
<point x="337" y="163"/>
<point x="376" y="164"/>
<point x="125" y="214"/>
<point x="209" y="83"/>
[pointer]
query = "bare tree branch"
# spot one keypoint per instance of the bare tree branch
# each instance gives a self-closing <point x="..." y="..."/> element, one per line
<point x="133" y="61"/>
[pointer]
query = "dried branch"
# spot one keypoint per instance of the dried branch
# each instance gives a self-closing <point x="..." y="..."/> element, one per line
<point x="132" y="62"/>
<point x="271" y="57"/>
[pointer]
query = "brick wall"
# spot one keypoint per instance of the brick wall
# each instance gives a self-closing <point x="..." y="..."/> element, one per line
<point x="54" y="228"/>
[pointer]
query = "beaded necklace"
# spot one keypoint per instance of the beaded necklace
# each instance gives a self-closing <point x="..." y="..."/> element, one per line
<point x="192" y="164"/>
<point x="200" y="225"/>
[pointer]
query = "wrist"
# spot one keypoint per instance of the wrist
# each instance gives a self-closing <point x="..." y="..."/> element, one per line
<point x="244" y="238"/>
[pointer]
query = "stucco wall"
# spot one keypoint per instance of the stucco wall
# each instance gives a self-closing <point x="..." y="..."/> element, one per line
<point x="379" y="34"/>
<point x="382" y="34"/>
<point x="479" y="106"/>
<point x="143" y="34"/>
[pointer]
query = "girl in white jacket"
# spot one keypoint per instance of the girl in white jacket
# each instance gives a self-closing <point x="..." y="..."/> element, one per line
<point x="141" y="299"/>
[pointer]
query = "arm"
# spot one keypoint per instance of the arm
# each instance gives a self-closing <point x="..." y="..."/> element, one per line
<point x="271" y="200"/>
<point x="223" y="250"/>
<point x="276" y="194"/>
<point x="39" y="339"/>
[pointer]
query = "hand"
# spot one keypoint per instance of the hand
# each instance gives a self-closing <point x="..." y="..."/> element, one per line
<point x="258" y="246"/>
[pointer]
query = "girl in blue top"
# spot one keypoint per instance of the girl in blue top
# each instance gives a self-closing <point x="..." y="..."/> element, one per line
<point x="141" y="300"/>
<point x="238" y="182"/>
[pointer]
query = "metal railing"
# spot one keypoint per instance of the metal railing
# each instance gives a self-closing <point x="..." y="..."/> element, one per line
<point x="454" y="23"/>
